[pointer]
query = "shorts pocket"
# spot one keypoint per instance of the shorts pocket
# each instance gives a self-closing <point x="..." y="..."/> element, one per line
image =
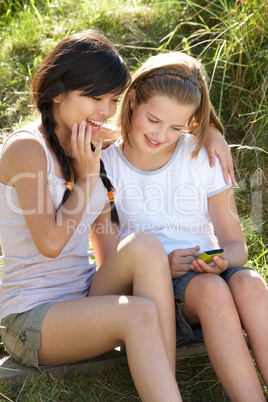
<point x="21" y="343"/>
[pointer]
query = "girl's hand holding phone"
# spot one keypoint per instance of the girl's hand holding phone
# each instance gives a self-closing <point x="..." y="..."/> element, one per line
<point x="217" y="266"/>
<point x="180" y="260"/>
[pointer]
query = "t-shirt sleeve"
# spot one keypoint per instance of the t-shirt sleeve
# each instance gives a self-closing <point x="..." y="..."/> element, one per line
<point x="213" y="177"/>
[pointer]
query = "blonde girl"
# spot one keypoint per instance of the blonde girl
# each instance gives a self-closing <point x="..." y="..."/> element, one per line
<point x="165" y="186"/>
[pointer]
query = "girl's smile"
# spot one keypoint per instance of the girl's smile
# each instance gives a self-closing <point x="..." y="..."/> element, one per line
<point x="96" y="125"/>
<point x="151" y="142"/>
<point x="72" y="107"/>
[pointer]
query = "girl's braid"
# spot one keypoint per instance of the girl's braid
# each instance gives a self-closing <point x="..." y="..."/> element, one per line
<point x="49" y="125"/>
<point x="109" y="187"/>
<point x="65" y="161"/>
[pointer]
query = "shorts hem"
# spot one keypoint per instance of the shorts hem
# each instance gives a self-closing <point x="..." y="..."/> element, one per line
<point x="21" y="335"/>
<point x="184" y="332"/>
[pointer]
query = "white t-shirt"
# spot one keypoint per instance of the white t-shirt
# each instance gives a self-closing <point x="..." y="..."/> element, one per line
<point x="171" y="202"/>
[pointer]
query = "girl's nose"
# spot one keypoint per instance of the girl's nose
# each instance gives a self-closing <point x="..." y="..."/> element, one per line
<point x="160" y="134"/>
<point x="104" y="109"/>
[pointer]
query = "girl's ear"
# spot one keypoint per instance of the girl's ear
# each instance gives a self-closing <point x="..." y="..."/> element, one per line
<point x="132" y="100"/>
<point x="59" y="98"/>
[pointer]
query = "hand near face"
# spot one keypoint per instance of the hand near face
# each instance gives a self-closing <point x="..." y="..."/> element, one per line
<point x="86" y="161"/>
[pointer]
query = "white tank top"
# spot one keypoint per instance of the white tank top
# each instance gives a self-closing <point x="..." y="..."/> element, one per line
<point x="29" y="278"/>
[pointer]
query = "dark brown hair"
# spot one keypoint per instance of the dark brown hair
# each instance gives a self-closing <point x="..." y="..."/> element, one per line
<point x="85" y="61"/>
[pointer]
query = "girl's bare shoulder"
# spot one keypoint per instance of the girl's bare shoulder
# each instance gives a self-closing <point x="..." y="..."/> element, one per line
<point x="21" y="153"/>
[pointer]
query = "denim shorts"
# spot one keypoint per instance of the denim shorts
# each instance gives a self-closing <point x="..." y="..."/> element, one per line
<point x="21" y="335"/>
<point x="186" y="333"/>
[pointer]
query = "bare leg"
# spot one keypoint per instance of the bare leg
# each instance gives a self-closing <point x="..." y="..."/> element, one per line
<point x="83" y="328"/>
<point x="250" y="294"/>
<point x="208" y="300"/>
<point x="141" y="268"/>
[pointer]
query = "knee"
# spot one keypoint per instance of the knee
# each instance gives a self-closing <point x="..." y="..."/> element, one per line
<point x="147" y="249"/>
<point x="144" y="318"/>
<point x="211" y="293"/>
<point x="147" y="243"/>
<point x="248" y="284"/>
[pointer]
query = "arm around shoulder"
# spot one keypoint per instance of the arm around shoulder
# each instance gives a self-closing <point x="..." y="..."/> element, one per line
<point x="216" y="145"/>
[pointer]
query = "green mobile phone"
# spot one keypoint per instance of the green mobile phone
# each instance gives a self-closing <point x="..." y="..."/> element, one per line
<point x="207" y="255"/>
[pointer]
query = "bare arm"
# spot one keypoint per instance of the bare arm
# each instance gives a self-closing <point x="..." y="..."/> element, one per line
<point x="24" y="166"/>
<point x="226" y="223"/>
<point x="227" y="227"/>
<point x="104" y="236"/>
<point x="109" y="134"/>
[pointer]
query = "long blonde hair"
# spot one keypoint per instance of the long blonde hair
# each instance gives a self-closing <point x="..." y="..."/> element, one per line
<point x="180" y="77"/>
